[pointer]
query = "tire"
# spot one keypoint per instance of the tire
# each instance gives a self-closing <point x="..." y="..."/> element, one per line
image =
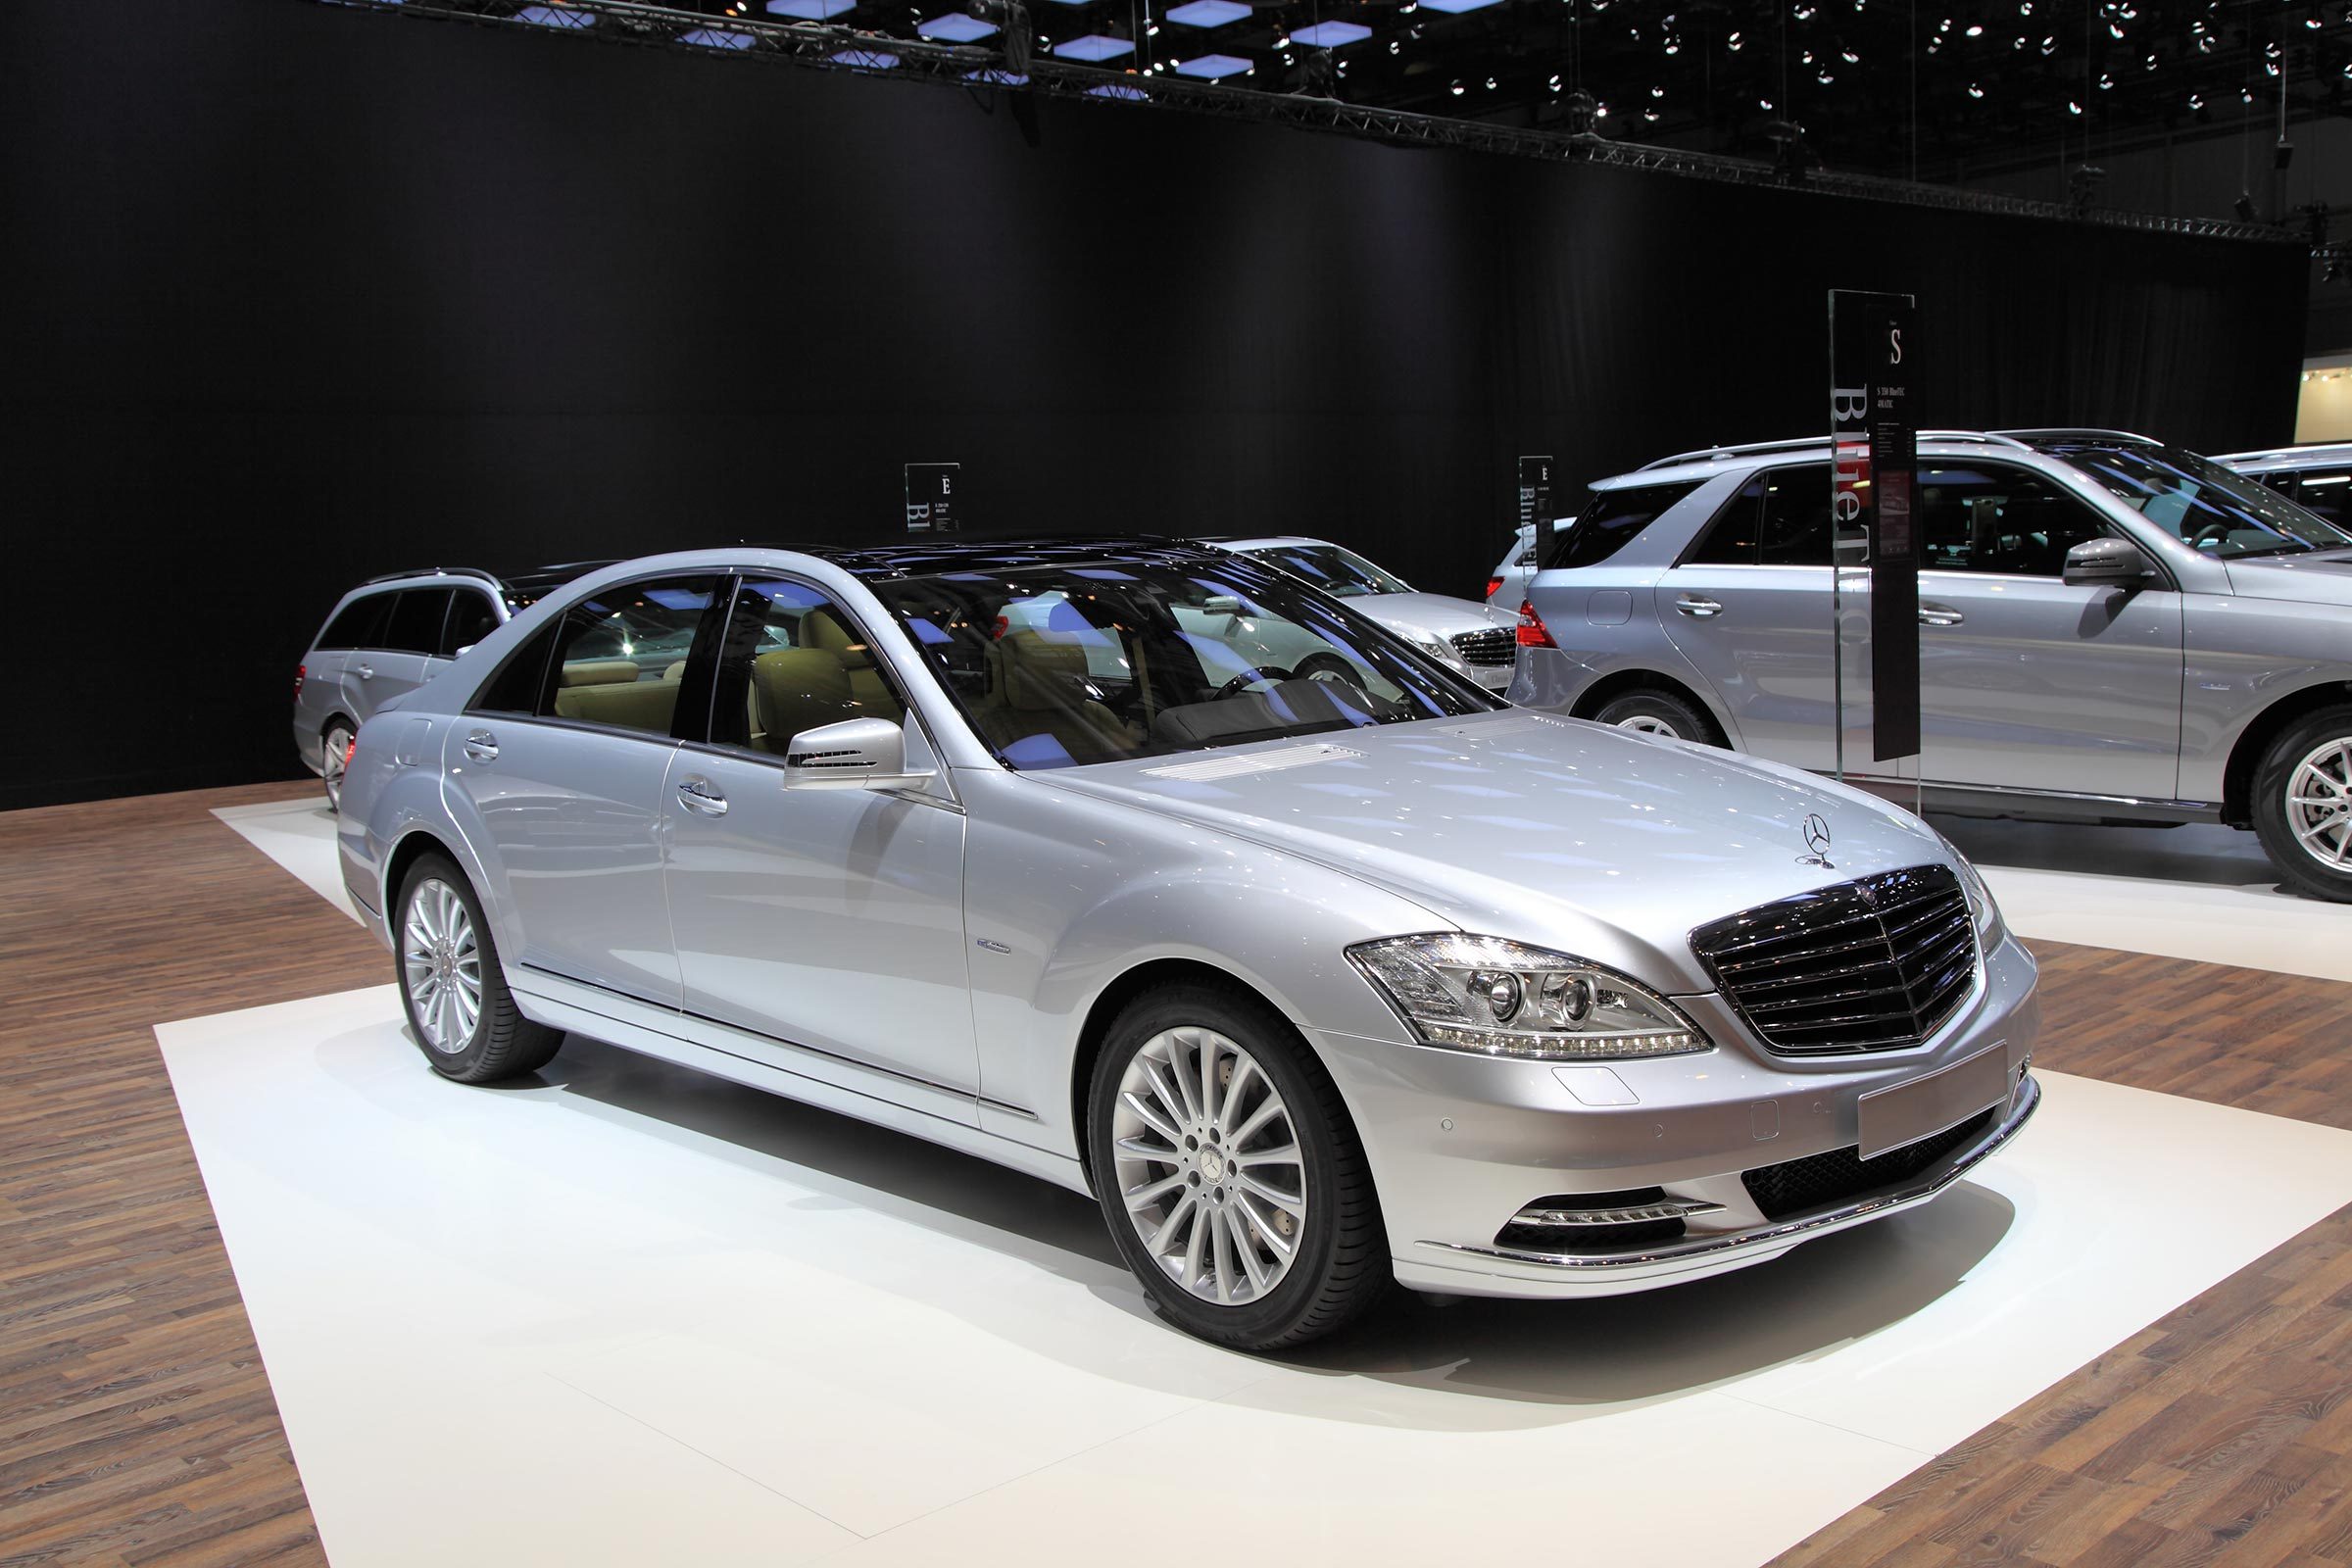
<point x="439" y="937"/>
<point x="1252" y="1300"/>
<point x="334" y="746"/>
<point x="1655" y="711"/>
<point x="2303" y="805"/>
<point x="1317" y="666"/>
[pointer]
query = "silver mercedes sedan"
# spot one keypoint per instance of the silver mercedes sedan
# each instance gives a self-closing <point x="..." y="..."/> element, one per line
<point x="1317" y="972"/>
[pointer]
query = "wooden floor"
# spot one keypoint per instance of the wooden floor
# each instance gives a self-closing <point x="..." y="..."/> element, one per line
<point x="136" y="1424"/>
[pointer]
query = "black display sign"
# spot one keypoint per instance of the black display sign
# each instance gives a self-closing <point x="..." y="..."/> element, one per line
<point x="1535" y="491"/>
<point x="1876" y="436"/>
<point x="933" y="505"/>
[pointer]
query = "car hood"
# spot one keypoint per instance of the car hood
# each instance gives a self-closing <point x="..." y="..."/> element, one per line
<point x="1596" y="841"/>
<point x="2322" y="577"/>
<point x="1435" y="615"/>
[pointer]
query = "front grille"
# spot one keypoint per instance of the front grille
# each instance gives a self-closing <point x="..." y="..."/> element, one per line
<point x="1818" y="1180"/>
<point x="1496" y="645"/>
<point x="1874" y="965"/>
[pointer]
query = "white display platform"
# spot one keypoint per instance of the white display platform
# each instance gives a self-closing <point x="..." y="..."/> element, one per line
<point x="624" y="1314"/>
<point x="2206" y="893"/>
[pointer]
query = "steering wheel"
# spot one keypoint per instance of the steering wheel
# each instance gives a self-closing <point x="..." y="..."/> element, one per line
<point x="1269" y="673"/>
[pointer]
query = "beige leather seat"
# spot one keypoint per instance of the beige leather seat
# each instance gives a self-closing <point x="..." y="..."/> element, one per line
<point x="607" y="690"/>
<point x="1038" y="687"/>
<point x="794" y="689"/>
<point x="868" y="688"/>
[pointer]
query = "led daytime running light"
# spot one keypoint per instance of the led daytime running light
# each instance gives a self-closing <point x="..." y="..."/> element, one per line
<point x="1506" y="999"/>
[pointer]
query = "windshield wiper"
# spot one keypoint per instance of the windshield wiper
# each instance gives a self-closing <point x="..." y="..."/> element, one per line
<point x="2297" y="549"/>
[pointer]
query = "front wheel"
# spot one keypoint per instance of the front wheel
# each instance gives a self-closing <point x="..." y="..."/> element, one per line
<point x="2303" y="805"/>
<point x="451" y="986"/>
<point x="1231" y="1175"/>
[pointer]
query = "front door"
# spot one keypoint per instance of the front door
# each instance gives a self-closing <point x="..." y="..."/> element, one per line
<point x="2026" y="683"/>
<point x="568" y="756"/>
<point x="825" y="918"/>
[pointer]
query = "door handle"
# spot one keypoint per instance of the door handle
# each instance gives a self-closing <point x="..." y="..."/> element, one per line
<point x="1698" y="606"/>
<point x="700" y="794"/>
<point x="364" y="671"/>
<point x="482" y="746"/>
<point x="1939" y="615"/>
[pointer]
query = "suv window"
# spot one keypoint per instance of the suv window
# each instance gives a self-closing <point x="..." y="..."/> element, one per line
<point x="1779" y="518"/>
<point x="470" y="620"/>
<point x="1611" y="520"/>
<point x="2325" y="491"/>
<point x="417" y="616"/>
<point x="359" y="624"/>
<point x="620" y="656"/>
<point x="1990" y="518"/>
<point x="792" y="660"/>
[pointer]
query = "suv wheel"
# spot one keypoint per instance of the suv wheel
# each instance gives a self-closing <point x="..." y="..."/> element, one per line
<point x="2303" y="805"/>
<point x="1232" y="1178"/>
<point x="334" y="750"/>
<point x="450" y="987"/>
<point x="1659" y="712"/>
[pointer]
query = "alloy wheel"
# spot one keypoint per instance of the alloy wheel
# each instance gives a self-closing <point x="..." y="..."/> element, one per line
<point x="1208" y="1167"/>
<point x="1650" y="724"/>
<point x="441" y="967"/>
<point x="2319" y="804"/>
<point x="337" y="750"/>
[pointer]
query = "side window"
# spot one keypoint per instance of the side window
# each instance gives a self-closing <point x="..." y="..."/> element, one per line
<point x="1611" y="520"/>
<point x="359" y="624"/>
<point x="470" y="620"/>
<point x="1990" y="518"/>
<point x="1779" y="518"/>
<point x="515" y="687"/>
<point x="417" y="616"/>
<point x="619" y="657"/>
<point x="2324" y="491"/>
<point x="793" y="659"/>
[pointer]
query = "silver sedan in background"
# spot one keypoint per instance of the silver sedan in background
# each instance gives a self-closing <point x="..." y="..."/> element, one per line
<point x="1317" y="981"/>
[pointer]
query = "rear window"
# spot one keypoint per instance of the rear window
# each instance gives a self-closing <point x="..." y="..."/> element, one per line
<point x="1613" y="519"/>
<point x="359" y="624"/>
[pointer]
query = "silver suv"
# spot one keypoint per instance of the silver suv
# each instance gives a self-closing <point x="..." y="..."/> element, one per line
<point x="389" y="636"/>
<point x="1314" y="980"/>
<point x="2319" y="476"/>
<point x="2111" y="630"/>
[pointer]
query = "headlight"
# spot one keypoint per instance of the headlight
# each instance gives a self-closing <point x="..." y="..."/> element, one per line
<point x="1506" y="998"/>
<point x="1438" y="648"/>
<point x="1980" y="905"/>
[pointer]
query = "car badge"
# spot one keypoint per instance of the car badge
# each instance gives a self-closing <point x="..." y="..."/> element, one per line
<point x="1817" y="843"/>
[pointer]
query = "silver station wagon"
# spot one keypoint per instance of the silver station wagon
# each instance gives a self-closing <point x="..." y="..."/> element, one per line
<point x="1316" y="981"/>
<point x="2111" y="630"/>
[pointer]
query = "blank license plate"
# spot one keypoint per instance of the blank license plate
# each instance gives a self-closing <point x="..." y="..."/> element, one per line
<point x="1924" y="1106"/>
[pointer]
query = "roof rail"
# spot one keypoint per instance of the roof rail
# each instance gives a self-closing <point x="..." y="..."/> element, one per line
<point x="1799" y="443"/>
<point x="2300" y="449"/>
<point x="2056" y="431"/>
<point x="475" y="572"/>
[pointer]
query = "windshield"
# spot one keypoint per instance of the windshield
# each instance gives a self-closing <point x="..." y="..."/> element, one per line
<point x="1340" y="572"/>
<point x="2214" y="510"/>
<point x="1062" y="664"/>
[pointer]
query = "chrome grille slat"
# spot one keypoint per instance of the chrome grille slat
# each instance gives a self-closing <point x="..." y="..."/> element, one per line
<point x="1878" y="963"/>
<point x="1496" y="645"/>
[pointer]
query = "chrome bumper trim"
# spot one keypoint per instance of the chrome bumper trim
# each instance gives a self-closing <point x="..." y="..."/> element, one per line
<point x="2022" y="1104"/>
<point x="1635" y="1214"/>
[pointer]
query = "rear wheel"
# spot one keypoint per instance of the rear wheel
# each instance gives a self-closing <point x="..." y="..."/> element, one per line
<point x="1230" y="1173"/>
<point x="455" y="995"/>
<point x="2303" y="805"/>
<point x="1654" y="712"/>
<point x="333" y="755"/>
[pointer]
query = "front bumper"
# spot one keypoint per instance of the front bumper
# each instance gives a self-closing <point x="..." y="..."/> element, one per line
<point x="1460" y="1144"/>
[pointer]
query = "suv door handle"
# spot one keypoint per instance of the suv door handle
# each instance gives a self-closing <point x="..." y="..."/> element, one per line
<point x="1933" y="614"/>
<point x="364" y="671"/>
<point x="482" y="746"/>
<point x="1698" y="605"/>
<point x="703" y="796"/>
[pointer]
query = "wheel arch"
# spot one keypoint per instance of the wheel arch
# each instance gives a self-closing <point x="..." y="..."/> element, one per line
<point x="1615" y="684"/>
<point x="2247" y="752"/>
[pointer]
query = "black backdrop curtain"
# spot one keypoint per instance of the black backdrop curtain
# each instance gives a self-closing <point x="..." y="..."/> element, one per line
<point x="297" y="294"/>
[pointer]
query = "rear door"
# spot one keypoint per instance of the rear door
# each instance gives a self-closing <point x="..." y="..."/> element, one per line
<point x="2026" y="683"/>
<point x="411" y="637"/>
<point x="1748" y="606"/>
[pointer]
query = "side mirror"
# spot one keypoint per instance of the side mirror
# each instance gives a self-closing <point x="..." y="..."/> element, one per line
<point x="1221" y="604"/>
<point x="2107" y="564"/>
<point x="857" y="754"/>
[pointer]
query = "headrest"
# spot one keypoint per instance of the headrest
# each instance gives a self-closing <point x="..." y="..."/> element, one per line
<point x="599" y="672"/>
<point x="1040" y="674"/>
<point x="814" y="670"/>
<point x="818" y="629"/>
